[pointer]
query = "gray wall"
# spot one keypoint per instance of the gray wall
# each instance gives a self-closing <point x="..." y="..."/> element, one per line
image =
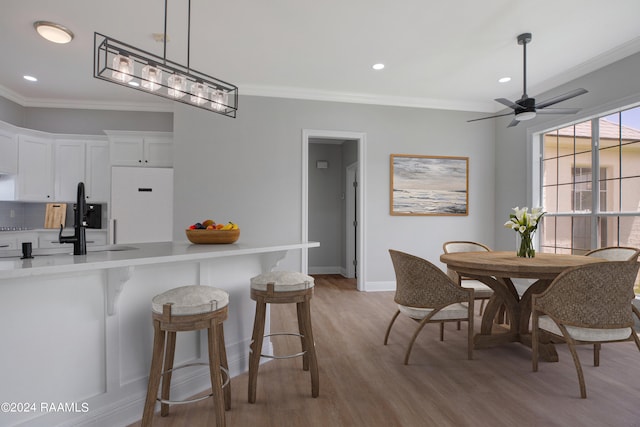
<point x="249" y="170"/>
<point x="83" y="122"/>
<point x="326" y="208"/>
<point x="11" y="112"/>
<point x="610" y="87"/>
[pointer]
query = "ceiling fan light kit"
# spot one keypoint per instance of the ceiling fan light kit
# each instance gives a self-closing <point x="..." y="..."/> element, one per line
<point x="128" y="66"/>
<point x="526" y="108"/>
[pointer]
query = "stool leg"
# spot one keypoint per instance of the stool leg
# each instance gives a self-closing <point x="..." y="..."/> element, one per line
<point x="303" y="341"/>
<point x="224" y="364"/>
<point x="311" y="347"/>
<point x="154" y="374"/>
<point x="256" y="348"/>
<point x="214" y="372"/>
<point x="169" y="356"/>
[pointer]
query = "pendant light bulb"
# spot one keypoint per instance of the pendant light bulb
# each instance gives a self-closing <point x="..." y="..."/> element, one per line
<point x="122" y="68"/>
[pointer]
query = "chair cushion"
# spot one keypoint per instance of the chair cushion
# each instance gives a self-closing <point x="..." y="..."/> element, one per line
<point x="480" y="290"/>
<point x="585" y="334"/>
<point x="453" y="311"/>
<point x="283" y="281"/>
<point x="188" y="300"/>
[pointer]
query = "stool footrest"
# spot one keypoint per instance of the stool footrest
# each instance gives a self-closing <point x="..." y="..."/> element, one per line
<point x="196" y="399"/>
<point x="287" y="356"/>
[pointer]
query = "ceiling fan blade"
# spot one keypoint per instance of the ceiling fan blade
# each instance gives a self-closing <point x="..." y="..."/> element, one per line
<point x="489" y="117"/>
<point x="508" y="103"/>
<point x="558" y="111"/>
<point x="513" y="123"/>
<point x="560" y="98"/>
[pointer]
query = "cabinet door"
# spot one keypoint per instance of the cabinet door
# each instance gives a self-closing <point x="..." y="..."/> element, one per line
<point x="7" y="243"/>
<point x="158" y="151"/>
<point x="97" y="172"/>
<point x="126" y="150"/>
<point x="35" y="168"/>
<point x="8" y="152"/>
<point x="69" y="169"/>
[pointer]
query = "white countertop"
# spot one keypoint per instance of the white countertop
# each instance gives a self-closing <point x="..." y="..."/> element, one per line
<point x="61" y="260"/>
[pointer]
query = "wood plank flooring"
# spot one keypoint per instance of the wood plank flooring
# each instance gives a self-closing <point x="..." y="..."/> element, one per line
<point x="364" y="383"/>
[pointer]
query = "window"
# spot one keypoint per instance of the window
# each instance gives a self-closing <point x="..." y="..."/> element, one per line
<point x="590" y="185"/>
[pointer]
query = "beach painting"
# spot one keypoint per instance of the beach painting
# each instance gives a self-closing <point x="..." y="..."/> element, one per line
<point x="429" y="185"/>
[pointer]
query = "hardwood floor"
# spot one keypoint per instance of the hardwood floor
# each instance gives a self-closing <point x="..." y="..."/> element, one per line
<point x="364" y="383"/>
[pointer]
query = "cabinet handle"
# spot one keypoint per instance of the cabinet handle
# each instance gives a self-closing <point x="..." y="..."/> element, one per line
<point x="4" y="246"/>
<point x="139" y="161"/>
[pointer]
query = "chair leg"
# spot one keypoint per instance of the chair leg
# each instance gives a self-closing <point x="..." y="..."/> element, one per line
<point x="225" y="364"/>
<point x="310" y="346"/>
<point x="481" y="310"/>
<point x="534" y="342"/>
<point x="168" y="365"/>
<point x="256" y="349"/>
<point x="442" y="330"/>
<point x="154" y="374"/>
<point x="635" y="339"/>
<point x="459" y="326"/>
<point x="393" y="319"/>
<point x="596" y="354"/>
<point x="576" y="361"/>
<point x="413" y="339"/>
<point x="303" y="341"/>
<point x="214" y="372"/>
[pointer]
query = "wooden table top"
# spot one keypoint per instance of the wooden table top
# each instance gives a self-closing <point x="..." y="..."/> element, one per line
<point x="507" y="264"/>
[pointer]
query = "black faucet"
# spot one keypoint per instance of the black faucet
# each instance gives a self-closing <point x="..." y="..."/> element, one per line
<point x="79" y="238"/>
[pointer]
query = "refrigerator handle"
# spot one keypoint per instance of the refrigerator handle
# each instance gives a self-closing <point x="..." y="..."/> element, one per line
<point x="113" y="231"/>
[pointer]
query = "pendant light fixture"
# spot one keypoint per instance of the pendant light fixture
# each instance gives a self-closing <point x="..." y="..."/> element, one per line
<point x="123" y="64"/>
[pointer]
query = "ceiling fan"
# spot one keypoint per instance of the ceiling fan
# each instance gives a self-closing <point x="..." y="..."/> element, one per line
<point x="526" y="108"/>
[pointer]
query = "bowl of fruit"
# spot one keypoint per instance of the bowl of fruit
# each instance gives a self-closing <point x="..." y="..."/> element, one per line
<point x="208" y="232"/>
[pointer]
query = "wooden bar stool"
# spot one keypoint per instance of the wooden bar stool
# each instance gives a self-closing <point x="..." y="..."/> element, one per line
<point x="283" y="287"/>
<point x="188" y="308"/>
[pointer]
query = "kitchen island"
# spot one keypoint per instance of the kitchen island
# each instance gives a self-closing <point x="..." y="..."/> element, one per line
<point x="77" y="331"/>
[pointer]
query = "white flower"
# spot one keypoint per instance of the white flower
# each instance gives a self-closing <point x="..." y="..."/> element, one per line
<point x="522" y="229"/>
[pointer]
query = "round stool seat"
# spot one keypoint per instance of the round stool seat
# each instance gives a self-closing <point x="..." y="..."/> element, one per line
<point x="189" y="300"/>
<point x="283" y="281"/>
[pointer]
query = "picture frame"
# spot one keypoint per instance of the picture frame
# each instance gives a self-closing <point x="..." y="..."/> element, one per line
<point x="429" y="185"/>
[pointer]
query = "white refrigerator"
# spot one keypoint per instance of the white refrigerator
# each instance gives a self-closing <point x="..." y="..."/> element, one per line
<point x="141" y="205"/>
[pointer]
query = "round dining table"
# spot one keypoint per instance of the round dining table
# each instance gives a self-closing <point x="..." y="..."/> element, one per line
<point x="496" y="269"/>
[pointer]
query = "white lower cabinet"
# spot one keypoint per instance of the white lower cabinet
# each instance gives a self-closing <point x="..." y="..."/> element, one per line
<point x="50" y="239"/>
<point x="12" y="241"/>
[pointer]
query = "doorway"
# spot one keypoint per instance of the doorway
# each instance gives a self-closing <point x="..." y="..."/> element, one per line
<point x="351" y="168"/>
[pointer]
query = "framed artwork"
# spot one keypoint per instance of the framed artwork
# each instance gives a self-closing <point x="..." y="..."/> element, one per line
<point x="429" y="185"/>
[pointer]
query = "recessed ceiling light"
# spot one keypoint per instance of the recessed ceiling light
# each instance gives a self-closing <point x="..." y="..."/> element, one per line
<point x="378" y="66"/>
<point x="504" y="79"/>
<point x="30" y="78"/>
<point x="53" y="32"/>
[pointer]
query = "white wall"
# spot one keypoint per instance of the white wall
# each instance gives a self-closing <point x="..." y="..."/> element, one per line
<point x="610" y="87"/>
<point x="249" y="170"/>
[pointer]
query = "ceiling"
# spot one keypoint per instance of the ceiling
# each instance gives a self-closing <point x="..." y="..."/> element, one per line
<point x="438" y="54"/>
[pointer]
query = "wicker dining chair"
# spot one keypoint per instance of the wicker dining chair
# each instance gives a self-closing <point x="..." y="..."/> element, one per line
<point x="589" y="304"/>
<point x="426" y="294"/>
<point x="617" y="253"/>
<point x="482" y="292"/>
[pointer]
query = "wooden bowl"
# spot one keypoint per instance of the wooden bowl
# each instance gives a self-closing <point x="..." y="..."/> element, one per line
<point x="207" y="237"/>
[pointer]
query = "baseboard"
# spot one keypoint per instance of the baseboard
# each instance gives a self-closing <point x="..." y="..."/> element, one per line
<point x="325" y="270"/>
<point x="380" y="286"/>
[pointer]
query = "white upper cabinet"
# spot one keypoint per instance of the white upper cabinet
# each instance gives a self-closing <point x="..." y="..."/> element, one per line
<point x="35" y="169"/>
<point x="97" y="171"/>
<point x="8" y="152"/>
<point x="150" y="149"/>
<point x="81" y="161"/>
<point x="69" y="169"/>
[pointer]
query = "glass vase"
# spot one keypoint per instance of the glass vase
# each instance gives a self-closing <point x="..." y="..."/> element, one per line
<point x="524" y="245"/>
